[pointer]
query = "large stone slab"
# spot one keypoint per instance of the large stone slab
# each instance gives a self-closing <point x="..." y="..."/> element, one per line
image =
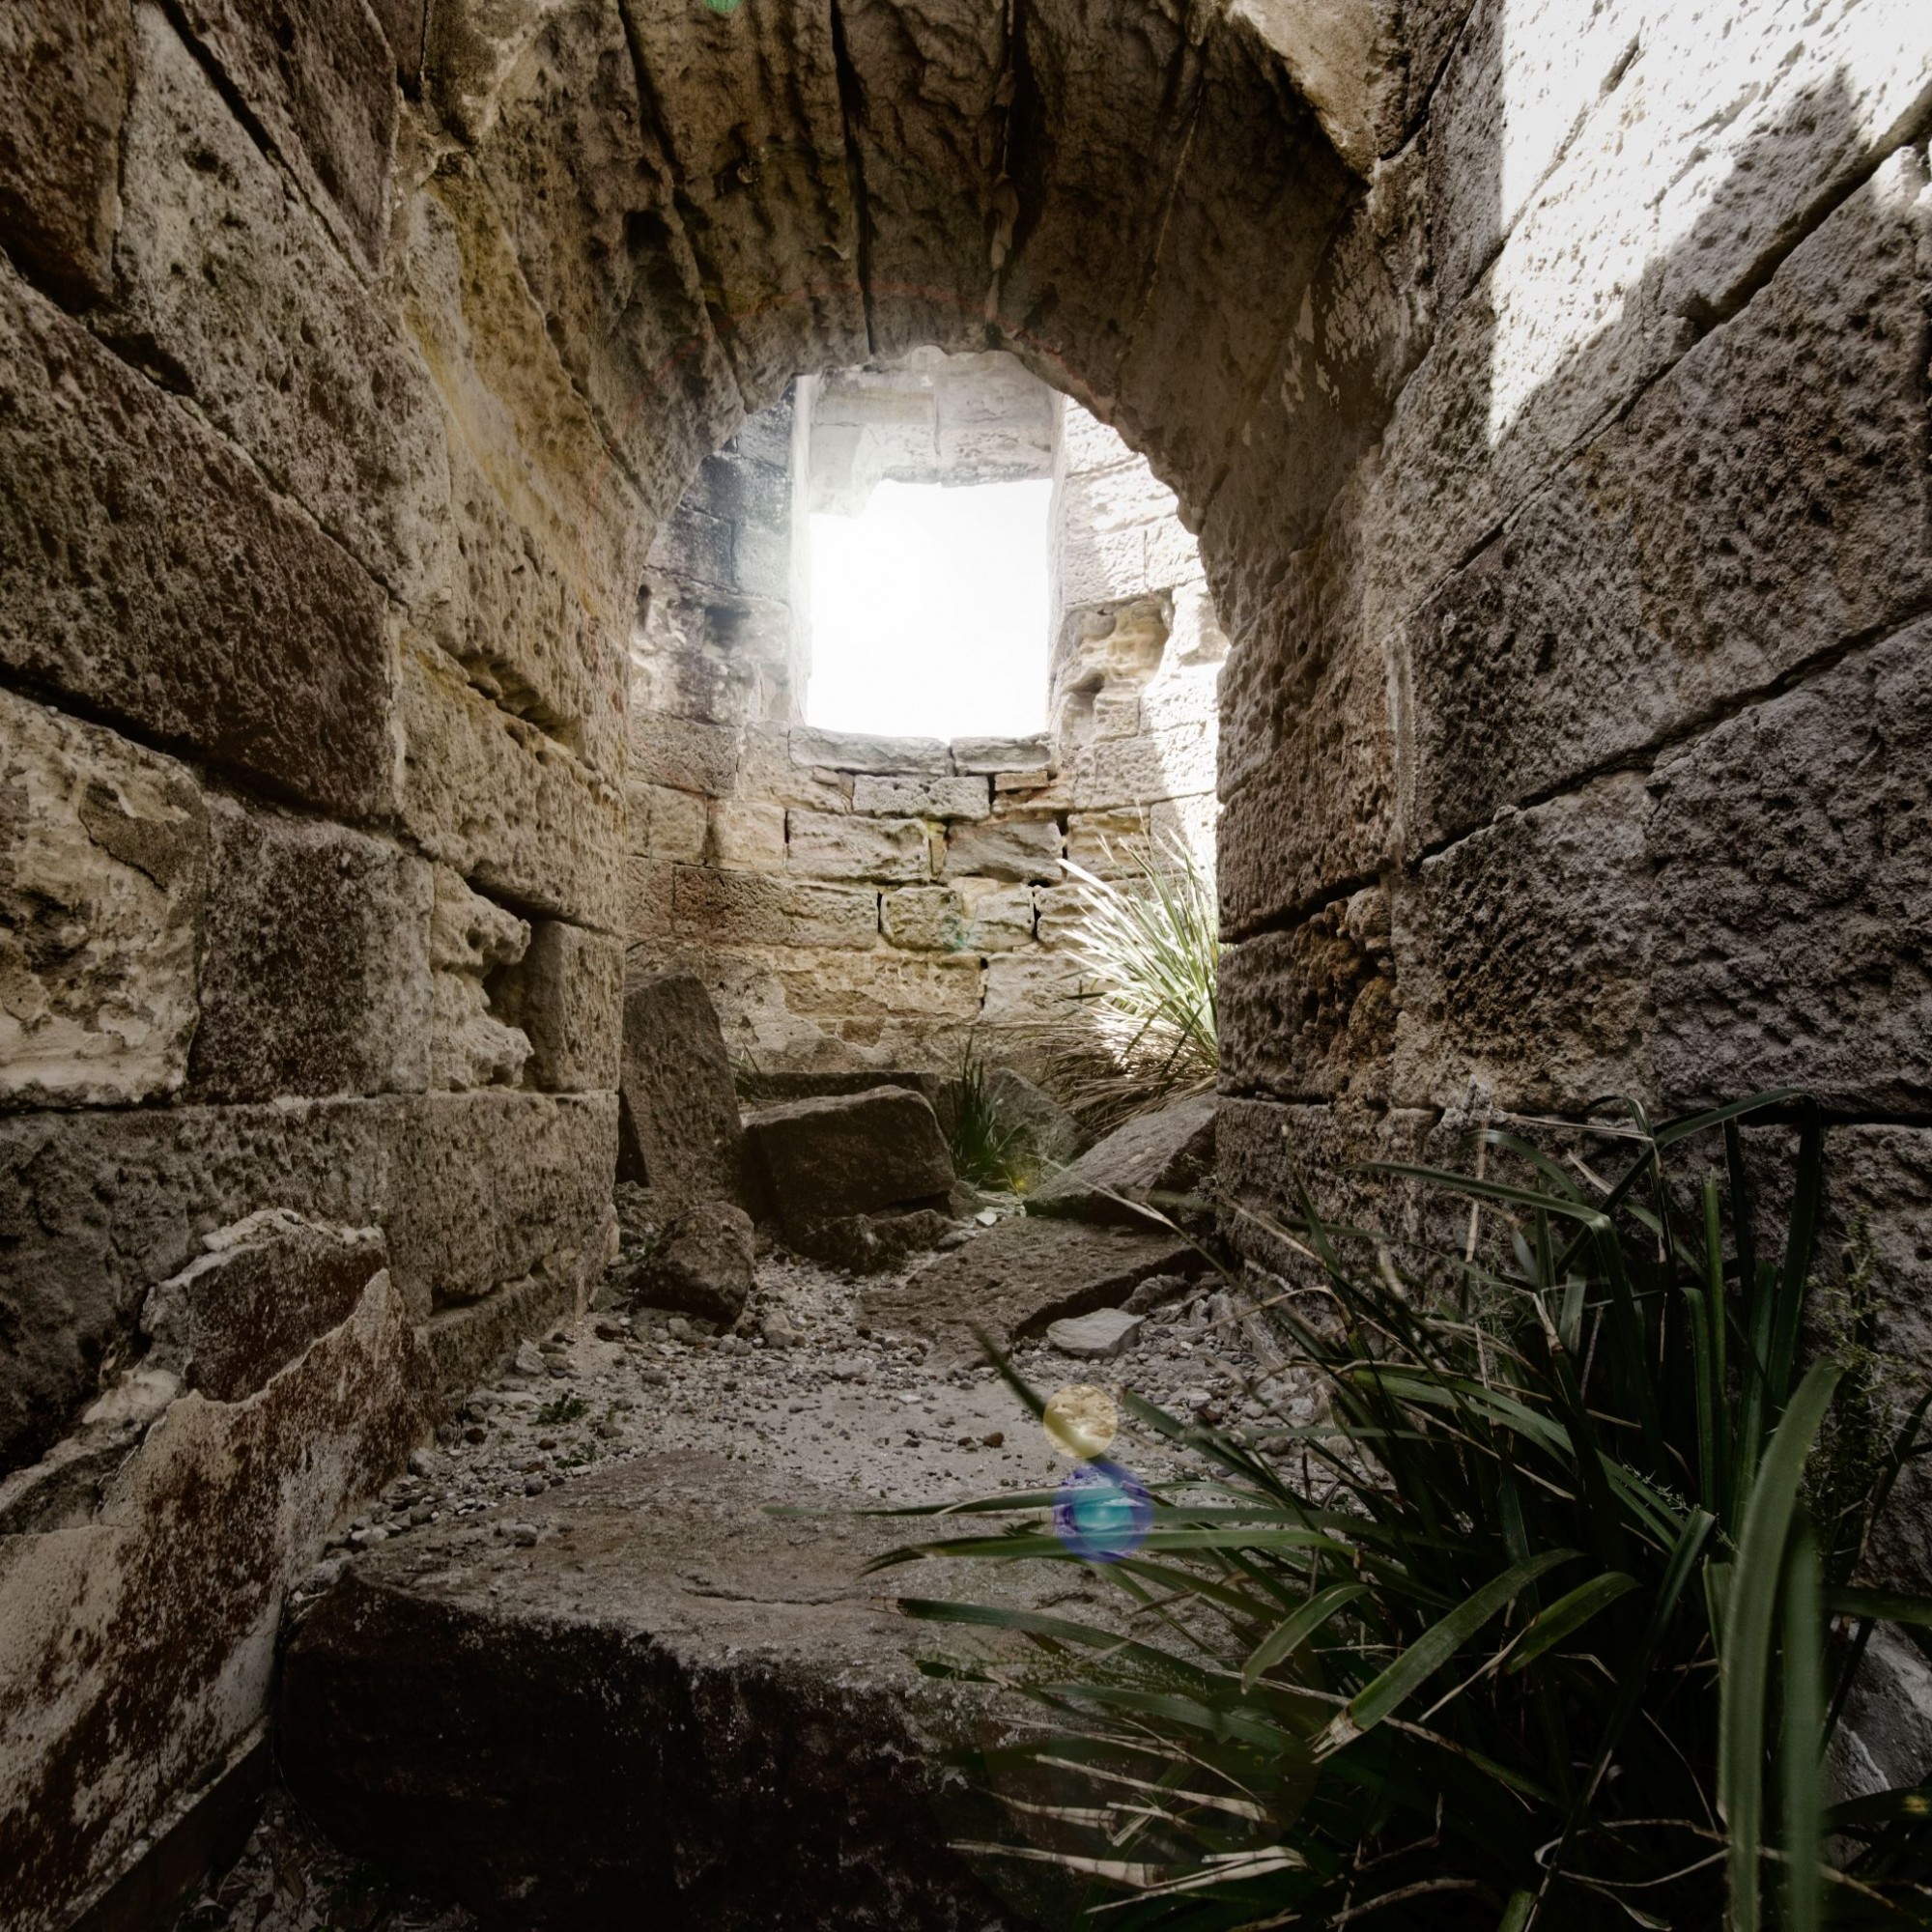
<point x="568" y="1000"/>
<point x="826" y="846"/>
<point x="757" y="909"/>
<point x="681" y="1135"/>
<point x="826" y="1159"/>
<point x="671" y="1701"/>
<point x="137" y="1642"/>
<point x="146" y="569"/>
<point x="1018" y="1277"/>
<point x="104" y="878"/>
<point x="1169" y="1151"/>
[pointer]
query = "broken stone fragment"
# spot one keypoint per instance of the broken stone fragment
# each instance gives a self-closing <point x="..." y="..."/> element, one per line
<point x="268" y="1287"/>
<point x="1095" y="1337"/>
<point x="679" y="1132"/>
<point x="871" y="1243"/>
<point x="703" y="1265"/>
<point x="826" y="1159"/>
<point x="1166" y="1153"/>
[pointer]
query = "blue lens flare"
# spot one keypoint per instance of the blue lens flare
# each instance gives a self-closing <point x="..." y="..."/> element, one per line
<point x="1101" y="1512"/>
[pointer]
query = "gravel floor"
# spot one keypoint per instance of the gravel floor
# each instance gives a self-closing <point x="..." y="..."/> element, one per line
<point x="840" y="1407"/>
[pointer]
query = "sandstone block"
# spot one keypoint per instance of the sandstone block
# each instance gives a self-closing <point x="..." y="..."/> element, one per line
<point x="1793" y="851"/>
<point x="667" y="823"/>
<point x="766" y="770"/>
<point x="822" y="1160"/>
<point x="681" y="1133"/>
<point x="1061" y="912"/>
<point x="1007" y="756"/>
<point x="1312" y="1012"/>
<point x="1523" y="957"/>
<point x="146" y="569"/>
<point x="823" y="846"/>
<point x="922" y="797"/>
<point x="647" y="900"/>
<point x="1168" y="1152"/>
<point x="315" y="967"/>
<point x="499" y="802"/>
<point x="141" y="1642"/>
<point x="221" y="272"/>
<point x="321" y="80"/>
<point x="686" y="753"/>
<point x="924" y="918"/>
<point x="567" y="997"/>
<point x="999" y="919"/>
<point x="701" y="1264"/>
<point x="1106" y="843"/>
<point x="748" y="836"/>
<point x="1138" y="767"/>
<point x="63" y="93"/>
<point x="1097" y="1337"/>
<point x="471" y="942"/>
<point x="265" y="1290"/>
<point x="1005" y="849"/>
<point x="105" y="878"/>
<point x="856" y="752"/>
<point x="755" y="909"/>
<point x="1026" y="987"/>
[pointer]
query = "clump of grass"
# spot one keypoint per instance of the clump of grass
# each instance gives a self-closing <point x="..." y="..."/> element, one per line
<point x="988" y="1150"/>
<point x="565" y="1409"/>
<point x="1535" y="1631"/>
<point x="1143" y="1029"/>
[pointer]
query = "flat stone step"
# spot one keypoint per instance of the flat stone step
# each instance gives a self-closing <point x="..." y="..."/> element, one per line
<point x="643" y="1701"/>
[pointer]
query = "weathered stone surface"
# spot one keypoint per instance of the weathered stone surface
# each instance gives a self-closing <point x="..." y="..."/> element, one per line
<point x="1312" y="1012"/>
<point x="1095" y="1337"/>
<point x="321" y="81"/>
<point x="1793" y="850"/>
<point x="922" y="797"/>
<point x="825" y="846"/>
<point x="999" y="917"/>
<point x="1010" y="755"/>
<point x="681" y="1134"/>
<point x="1053" y="1133"/>
<point x="1016" y="1278"/>
<point x="315" y="973"/>
<point x="924" y="918"/>
<point x="63" y="94"/>
<point x="873" y="1244"/>
<point x="145" y="569"/>
<point x="855" y="752"/>
<point x="267" y="1287"/>
<point x="821" y="1160"/>
<point x="746" y="836"/>
<point x="567" y="997"/>
<point x="222" y="276"/>
<point x="671" y="824"/>
<point x="498" y="801"/>
<point x="759" y="909"/>
<point x="463" y="1736"/>
<point x="701" y="1264"/>
<point x="685" y="753"/>
<point x="1010" y="849"/>
<point x="472" y="941"/>
<point x="104" y="876"/>
<point x="137" y="1648"/>
<point x="1165" y="1152"/>
<point x="1523" y="956"/>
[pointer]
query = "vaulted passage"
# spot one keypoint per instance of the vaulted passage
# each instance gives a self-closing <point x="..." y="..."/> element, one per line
<point x="1490" y="455"/>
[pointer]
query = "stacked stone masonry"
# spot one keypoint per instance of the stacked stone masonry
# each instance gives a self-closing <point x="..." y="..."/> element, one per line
<point x="1547" y="394"/>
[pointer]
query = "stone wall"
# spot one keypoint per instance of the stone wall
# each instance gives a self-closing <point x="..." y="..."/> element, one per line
<point x="1550" y="396"/>
<point x="853" y="900"/>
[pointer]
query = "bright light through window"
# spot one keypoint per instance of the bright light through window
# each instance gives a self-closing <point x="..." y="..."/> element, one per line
<point x="928" y="613"/>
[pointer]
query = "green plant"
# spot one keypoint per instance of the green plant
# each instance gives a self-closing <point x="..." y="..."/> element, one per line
<point x="1535" y="1631"/>
<point x="988" y="1150"/>
<point x="564" y="1409"/>
<point x="1144" y="1028"/>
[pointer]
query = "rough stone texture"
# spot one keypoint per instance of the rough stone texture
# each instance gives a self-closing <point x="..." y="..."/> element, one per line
<point x="136" y="1648"/>
<point x="822" y="846"/>
<point x="1017" y="1278"/>
<point x="567" y="998"/>
<point x="63" y="94"/>
<point x="316" y="956"/>
<point x="751" y="909"/>
<point x="472" y="942"/>
<point x="824" y="1159"/>
<point x="854" y="751"/>
<point x="103" y="879"/>
<point x="1793" y="848"/>
<point x="921" y="798"/>
<point x="681" y="1134"/>
<point x="267" y="1287"/>
<point x="1009" y="851"/>
<point x="1168" y="1152"/>
<point x="1055" y="1134"/>
<point x="463" y="1736"/>
<point x="147" y="570"/>
<point x="1095" y="1337"/>
<point x="701" y="1264"/>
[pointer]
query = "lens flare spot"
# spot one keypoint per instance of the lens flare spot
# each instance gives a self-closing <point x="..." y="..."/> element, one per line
<point x="1081" y="1422"/>
<point x="1101" y="1512"/>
